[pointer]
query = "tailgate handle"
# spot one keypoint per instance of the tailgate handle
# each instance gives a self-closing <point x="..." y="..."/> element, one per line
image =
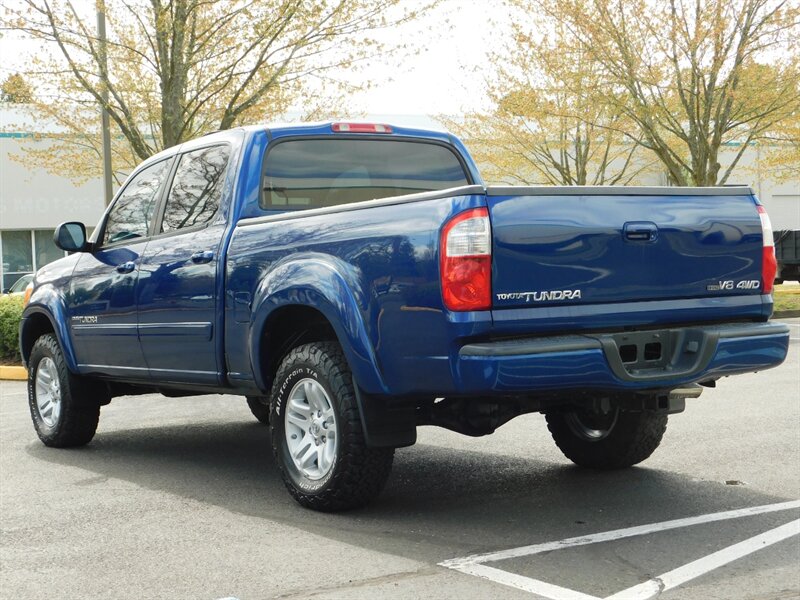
<point x="640" y="231"/>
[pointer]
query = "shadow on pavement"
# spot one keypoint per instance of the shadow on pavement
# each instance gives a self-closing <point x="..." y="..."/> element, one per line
<point x="439" y="502"/>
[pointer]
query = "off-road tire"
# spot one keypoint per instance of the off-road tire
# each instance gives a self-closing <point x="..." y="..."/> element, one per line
<point x="633" y="438"/>
<point x="358" y="473"/>
<point x="80" y="399"/>
<point x="259" y="408"/>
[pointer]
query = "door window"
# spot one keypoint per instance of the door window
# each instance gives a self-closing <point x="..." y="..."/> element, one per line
<point x="132" y="213"/>
<point x="196" y="188"/>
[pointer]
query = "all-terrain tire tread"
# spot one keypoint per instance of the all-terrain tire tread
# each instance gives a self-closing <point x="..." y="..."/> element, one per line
<point x="362" y="471"/>
<point x="634" y="438"/>
<point x="80" y="411"/>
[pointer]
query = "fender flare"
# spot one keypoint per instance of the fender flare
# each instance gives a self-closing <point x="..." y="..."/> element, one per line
<point x="46" y="301"/>
<point x="330" y="286"/>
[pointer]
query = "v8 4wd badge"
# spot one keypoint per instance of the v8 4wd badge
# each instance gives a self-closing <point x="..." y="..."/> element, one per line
<point x="721" y="286"/>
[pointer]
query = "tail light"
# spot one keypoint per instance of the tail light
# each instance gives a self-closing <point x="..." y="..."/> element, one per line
<point x="361" y="128"/>
<point x="466" y="261"/>
<point x="769" y="264"/>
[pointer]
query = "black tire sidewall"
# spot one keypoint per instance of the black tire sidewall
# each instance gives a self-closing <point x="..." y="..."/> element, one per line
<point x="47" y="347"/>
<point x="633" y="438"/>
<point x="288" y="376"/>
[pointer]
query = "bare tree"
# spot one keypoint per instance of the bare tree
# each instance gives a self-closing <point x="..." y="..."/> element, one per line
<point x="172" y="69"/>
<point x="693" y="76"/>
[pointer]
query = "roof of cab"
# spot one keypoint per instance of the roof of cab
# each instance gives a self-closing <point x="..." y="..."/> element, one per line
<point x="277" y="130"/>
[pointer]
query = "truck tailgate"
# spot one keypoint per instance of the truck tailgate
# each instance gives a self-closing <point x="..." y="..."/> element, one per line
<point x="557" y="246"/>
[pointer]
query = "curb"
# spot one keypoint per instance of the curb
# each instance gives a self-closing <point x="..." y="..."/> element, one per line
<point x="785" y="314"/>
<point x="14" y="373"/>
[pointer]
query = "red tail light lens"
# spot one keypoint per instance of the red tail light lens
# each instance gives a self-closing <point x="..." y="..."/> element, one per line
<point x="361" y="128"/>
<point x="769" y="264"/>
<point x="466" y="261"/>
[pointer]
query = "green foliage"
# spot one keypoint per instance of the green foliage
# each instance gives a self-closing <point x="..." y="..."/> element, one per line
<point x="10" y="315"/>
<point x="16" y="90"/>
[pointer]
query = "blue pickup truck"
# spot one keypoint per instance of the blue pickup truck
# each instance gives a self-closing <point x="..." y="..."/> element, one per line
<point x="355" y="281"/>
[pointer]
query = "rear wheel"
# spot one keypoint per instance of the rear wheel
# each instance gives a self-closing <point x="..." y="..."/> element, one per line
<point x="259" y="406"/>
<point x="317" y="435"/>
<point x="65" y="408"/>
<point x="606" y="440"/>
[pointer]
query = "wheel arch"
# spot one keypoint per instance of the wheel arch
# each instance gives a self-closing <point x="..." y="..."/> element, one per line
<point x="310" y="299"/>
<point x="38" y="320"/>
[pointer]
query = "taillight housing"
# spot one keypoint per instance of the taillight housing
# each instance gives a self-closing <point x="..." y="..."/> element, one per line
<point x="769" y="264"/>
<point x="465" y="262"/>
<point x="361" y="128"/>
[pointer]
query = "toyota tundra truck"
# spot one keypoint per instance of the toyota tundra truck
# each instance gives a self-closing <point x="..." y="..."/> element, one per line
<point x="356" y="281"/>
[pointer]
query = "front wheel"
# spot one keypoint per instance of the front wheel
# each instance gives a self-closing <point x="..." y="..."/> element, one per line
<point x="64" y="407"/>
<point x="606" y="440"/>
<point x="317" y="436"/>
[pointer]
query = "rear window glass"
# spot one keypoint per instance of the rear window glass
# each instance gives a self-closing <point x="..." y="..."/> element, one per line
<point x="312" y="173"/>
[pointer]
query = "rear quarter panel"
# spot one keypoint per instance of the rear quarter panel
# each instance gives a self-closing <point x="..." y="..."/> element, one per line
<point x="373" y="272"/>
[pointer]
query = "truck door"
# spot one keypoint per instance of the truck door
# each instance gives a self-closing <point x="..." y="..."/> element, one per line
<point x="102" y="293"/>
<point x="177" y="284"/>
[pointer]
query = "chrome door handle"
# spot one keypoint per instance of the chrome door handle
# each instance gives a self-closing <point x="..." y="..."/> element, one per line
<point x="203" y="257"/>
<point x="126" y="267"/>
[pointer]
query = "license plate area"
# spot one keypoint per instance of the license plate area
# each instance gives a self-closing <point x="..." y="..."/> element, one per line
<point x="642" y="355"/>
<point x="644" y="350"/>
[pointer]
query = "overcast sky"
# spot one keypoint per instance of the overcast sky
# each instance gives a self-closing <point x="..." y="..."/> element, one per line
<point x="440" y="79"/>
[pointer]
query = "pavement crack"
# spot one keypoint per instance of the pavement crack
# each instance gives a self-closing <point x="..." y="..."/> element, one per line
<point x="399" y="576"/>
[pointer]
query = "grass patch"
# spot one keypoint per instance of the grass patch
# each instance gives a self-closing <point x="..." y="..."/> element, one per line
<point x="787" y="298"/>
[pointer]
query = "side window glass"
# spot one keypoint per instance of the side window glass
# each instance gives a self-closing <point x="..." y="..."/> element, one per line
<point x="132" y="212"/>
<point x="196" y="188"/>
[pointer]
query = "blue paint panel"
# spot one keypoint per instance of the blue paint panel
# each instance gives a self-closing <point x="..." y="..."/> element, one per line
<point x="101" y="304"/>
<point x="594" y="244"/>
<point x="373" y="272"/>
<point x="177" y="306"/>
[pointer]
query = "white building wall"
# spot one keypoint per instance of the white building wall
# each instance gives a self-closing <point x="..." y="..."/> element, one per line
<point x="35" y="199"/>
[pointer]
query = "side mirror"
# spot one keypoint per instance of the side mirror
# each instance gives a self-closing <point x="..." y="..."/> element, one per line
<point x="70" y="237"/>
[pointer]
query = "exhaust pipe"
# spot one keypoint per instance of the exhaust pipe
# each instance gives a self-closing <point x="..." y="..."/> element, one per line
<point x="693" y="390"/>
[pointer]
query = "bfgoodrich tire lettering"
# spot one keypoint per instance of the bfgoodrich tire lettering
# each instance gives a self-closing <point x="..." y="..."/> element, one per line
<point x="607" y="443"/>
<point x="65" y="408"/>
<point x="355" y="474"/>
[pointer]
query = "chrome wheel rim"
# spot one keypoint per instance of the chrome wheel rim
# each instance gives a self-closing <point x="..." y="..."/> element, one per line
<point x="48" y="392"/>
<point x="592" y="426"/>
<point x="310" y="428"/>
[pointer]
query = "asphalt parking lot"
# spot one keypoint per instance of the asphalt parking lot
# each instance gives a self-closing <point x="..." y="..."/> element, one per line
<point x="180" y="498"/>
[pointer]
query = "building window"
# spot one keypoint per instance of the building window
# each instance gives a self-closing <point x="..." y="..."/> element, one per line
<point x="46" y="250"/>
<point x="25" y="251"/>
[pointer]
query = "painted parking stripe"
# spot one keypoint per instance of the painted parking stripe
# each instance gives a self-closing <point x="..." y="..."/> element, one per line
<point x="475" y="564"/>
<point x="618" y="534"/>
<point x="526" y="584"/>
<point x="701" y="566"/>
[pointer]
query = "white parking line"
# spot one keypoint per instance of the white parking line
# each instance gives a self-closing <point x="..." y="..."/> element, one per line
<point x="474" y="565"/>
<point x="701" y="566"/>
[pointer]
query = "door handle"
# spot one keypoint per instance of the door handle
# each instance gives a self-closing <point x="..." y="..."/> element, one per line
<point x="641" y="231"/>
<point x="206" y="256"/>
<point x="126" y="267"/>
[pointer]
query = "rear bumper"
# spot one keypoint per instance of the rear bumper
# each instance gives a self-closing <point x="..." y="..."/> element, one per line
<point x="607" y="361"/>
